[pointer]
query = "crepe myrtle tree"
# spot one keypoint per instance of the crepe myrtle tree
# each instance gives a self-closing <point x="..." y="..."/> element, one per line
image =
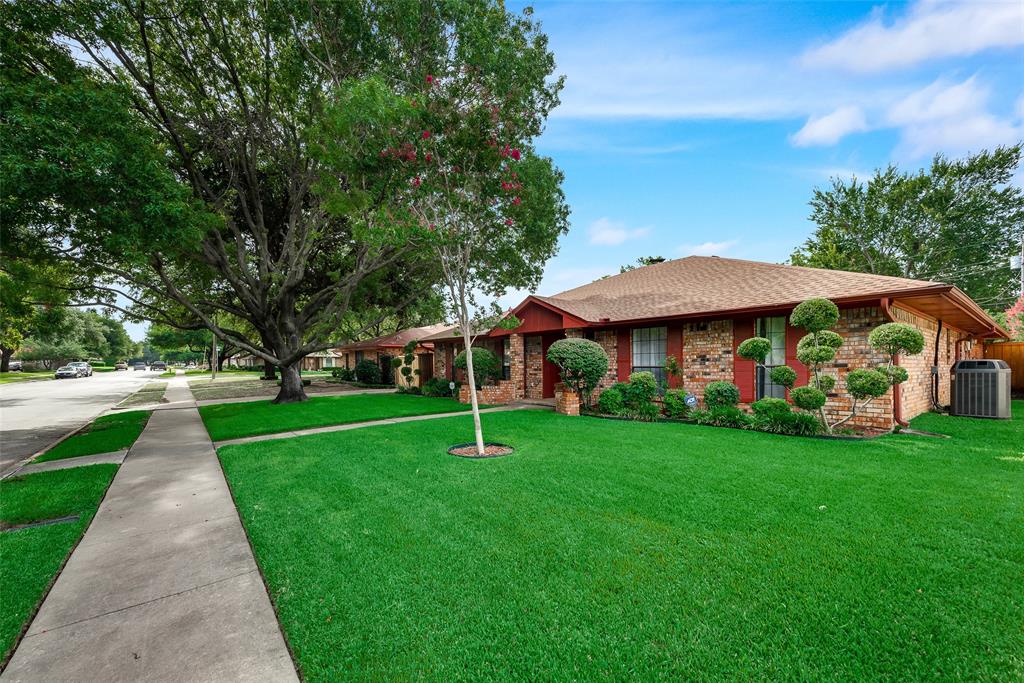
<point x="456" y="159"/>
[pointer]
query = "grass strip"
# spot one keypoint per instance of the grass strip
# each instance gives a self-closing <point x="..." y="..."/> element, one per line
<point x="106" y="434"/>
<point x="605" y="550"/>
<point x="234" y="420"/>
<point x="30" y="558"/>
<point x="151" y="392"/>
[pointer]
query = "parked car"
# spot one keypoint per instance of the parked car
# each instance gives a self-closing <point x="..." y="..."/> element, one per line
<point x="14" y="366"/>
<point x="84" y="369"/>
<point x="66" y="371"/>
<point x="120" y="365"/>
<point x="158" y="365"/>
<point x="138" y="365"/>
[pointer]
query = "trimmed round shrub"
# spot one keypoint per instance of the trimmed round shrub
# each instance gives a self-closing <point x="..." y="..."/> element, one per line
<point x="755" y="349"/>
<point x="896" y="374"/>
<point x="825" y="338"/>
<point x="486" y="365"/>
<point x="815" y="315"/>
<point x="771" y="408"/>
<point x="865" y="383"/>
<point x="583" y="364"/>
<point x="396" y="362"/>
<point x="721" y="394"/>
<point x="368" y="372"/>
<point x="610" y="401"/>
<point x="801" y="424"/>
<point x="808" y="398"/>
<point x="897" y="338"/>
<point x="826" y="383"/>
<point x="674" y="402"/>
<point x="784" y="375"/>
<point x="641" y="388"/>
<point x="811" y="355"/>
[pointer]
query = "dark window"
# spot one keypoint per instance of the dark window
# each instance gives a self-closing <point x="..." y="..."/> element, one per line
<point x="773" y="329"/>
<point x="649" y="347"/>
<point x="359" y="356"/>
<point x="506" y="358"/>
<point x="589" y="334"/>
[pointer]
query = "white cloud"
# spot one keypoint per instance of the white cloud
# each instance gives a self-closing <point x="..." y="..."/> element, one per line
<point x="952" y="118"/>
<point x="607" y="232"/>
<point x="707" y="248"/>
<point x="830" y="128"/>
<point x="931" y="30"/>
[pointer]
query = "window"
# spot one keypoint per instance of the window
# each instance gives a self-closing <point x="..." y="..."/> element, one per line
<point x="774" y="330"/>
<point x="359" y="357"/>
<point x="328" y="362"/>
<point x="649" y="345"/>
<point x="506" y="358"/>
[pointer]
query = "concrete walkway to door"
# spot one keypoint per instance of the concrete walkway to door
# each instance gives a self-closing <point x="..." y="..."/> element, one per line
<point x="163" y="586"/>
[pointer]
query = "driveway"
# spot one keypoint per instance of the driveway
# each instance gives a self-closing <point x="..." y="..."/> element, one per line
<point x="34" y="414"/>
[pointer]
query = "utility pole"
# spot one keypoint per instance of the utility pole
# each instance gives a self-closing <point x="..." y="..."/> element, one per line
<point x="213" y="356"/>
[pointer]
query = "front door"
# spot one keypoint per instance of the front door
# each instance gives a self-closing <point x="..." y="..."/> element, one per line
<point x="550" y="370"/>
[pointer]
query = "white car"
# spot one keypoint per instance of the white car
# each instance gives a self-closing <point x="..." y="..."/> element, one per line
<point x="83" y="368"/>
<point x="66" y="371"/>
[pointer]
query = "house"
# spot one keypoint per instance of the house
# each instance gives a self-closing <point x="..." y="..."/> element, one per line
<point x="698" y="309"/>
<point x="384" y="348"/>
<point x="318" y="360"/>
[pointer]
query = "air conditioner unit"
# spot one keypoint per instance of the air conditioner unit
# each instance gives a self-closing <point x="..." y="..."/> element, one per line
<point x="980" y="388"/>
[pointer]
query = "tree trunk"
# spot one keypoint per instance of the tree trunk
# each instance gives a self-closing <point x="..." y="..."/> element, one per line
<point x="5" y="359"/>
<point x="269" y="370"/>
<point x="291" y="385"/>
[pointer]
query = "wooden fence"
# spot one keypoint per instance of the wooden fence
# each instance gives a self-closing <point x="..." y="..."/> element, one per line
<point x="1013" y="354"/>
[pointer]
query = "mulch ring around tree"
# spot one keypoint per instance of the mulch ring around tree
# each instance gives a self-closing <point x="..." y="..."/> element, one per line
<point x="491" y="450"/>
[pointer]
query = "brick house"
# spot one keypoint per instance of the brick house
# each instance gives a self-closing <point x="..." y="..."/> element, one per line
<point x="698" y="309"/>
<point x="382" y="349"/>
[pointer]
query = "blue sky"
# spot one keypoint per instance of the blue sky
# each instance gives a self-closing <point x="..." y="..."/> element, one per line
<point x="703" y="128"/>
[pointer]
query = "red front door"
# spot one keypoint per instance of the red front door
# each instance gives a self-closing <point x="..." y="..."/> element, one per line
<point x="550" y="370"/>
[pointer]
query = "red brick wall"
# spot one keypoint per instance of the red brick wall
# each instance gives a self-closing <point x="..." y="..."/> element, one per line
<point x="707" y="355"/>
<point x="517" y="365"/>
<point x="566" y="402"/>
<point x="855" y="324"/>
<point x="491" y="394"/>
<point x="534" y="367"/>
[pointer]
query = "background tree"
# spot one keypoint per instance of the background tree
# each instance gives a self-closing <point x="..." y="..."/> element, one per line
<point x="958" y="222"/>
<point x="179" y="164"/>
<point x="641" y="262"/>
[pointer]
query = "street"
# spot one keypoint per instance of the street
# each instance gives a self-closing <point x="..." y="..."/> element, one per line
<point x="34" y="414"/>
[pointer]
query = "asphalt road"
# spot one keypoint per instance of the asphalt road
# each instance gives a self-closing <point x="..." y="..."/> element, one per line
<point x="34" y="414"/>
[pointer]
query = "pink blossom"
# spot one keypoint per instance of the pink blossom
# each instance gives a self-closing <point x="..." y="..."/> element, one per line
<point x="516" y="201"/>
<point x="430" y="79"/>
<point x="515" y="154"/>
<point x="508" y="221"/>
<point x="427" y="158"/>
<point x="416" y="181"/>
<point x="426" y="134"/>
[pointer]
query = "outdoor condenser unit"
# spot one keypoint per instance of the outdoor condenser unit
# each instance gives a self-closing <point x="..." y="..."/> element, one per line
<point x="980" y="388"/>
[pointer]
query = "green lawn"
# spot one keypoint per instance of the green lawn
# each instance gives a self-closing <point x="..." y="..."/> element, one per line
<point x="31" y="558"/>
<point x="233" y="420"/>
<point x="9" y="377"/>
<point x="106" y="434"/>
<point x="608" y="550"/>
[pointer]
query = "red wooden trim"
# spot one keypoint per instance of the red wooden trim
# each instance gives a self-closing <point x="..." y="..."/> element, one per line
<point x="793" y="337"/>
<point x="743" y="370"/>
<point x="624" y="355"/>
<point x="674" y="349"/>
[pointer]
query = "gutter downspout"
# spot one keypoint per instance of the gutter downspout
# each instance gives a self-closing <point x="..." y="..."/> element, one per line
<point x="935" y="369"/>
<point x="897" y="408"/>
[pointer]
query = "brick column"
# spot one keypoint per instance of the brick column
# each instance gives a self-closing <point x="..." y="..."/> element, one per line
<point x="567" y="402"/>
<point x="517" y="365"/>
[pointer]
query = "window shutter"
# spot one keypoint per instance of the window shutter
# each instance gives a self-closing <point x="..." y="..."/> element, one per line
<point x="674" y="349"/>
<point x="743" y="370"/>
<point x="793" y="337"/>
<point x="624" y="355"/>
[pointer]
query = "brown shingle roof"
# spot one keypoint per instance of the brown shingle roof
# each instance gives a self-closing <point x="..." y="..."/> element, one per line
<point x="399" y="339"/>
<point x="706" y="284"/>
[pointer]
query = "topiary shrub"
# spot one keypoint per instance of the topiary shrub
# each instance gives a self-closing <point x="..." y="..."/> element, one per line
<point x="866" y="383"/>
<point x="755" y="349"/>
<point x="486" y="365"/>
<point x="770" y="408"/>
<point x="808" y="398"/>
<point x="721" y="394"/>
<point x="582" y="363"/>
<point x="893" y="339"/>
<point x="610" y="402"/>
<point x="367" y="372"/>
<point x="784" y="375"/>
<point x="826" y="383"/>
<point x="675" y="403"/>
<point x="815" y="315"/>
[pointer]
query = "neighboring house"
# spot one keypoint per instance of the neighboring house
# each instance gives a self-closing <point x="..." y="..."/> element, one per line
<point x="699" y="309"/>
<point x="318" y="360"/>
<point x="382" y="349"/>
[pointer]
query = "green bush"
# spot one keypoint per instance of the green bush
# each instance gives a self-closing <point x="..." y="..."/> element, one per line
<point x="583" y="364"/>
<point x="396" y="362"/>
<point x="771" y="408"/>
<point x="610" y="402"/>
<point x="643" y="412"/>
<point x="367" y="372"/>
<point x="721" y="395"/>
<point x="815" y="315"/>
<point x="810" y="354"/>
<point x="897" y="338"/>
<point x="865" y="383"/>
<point x="343" y="374"/>
<point x="808" y="398"/>
<point x="896" y="374"/>
<point x="641" y="388"/>
<point x="792" y="423"/>
<point x="755" y="349"/>
<point x="674" y="402"/>
<point x="784" y="375"/>
<point x="486" y="365"/>
<point x="438" y="387"/>
<point x="826" y="383"/>
<point x="722" y="416"/>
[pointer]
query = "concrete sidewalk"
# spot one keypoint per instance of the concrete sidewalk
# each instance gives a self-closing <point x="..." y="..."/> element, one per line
<point x="163" y="586"/>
